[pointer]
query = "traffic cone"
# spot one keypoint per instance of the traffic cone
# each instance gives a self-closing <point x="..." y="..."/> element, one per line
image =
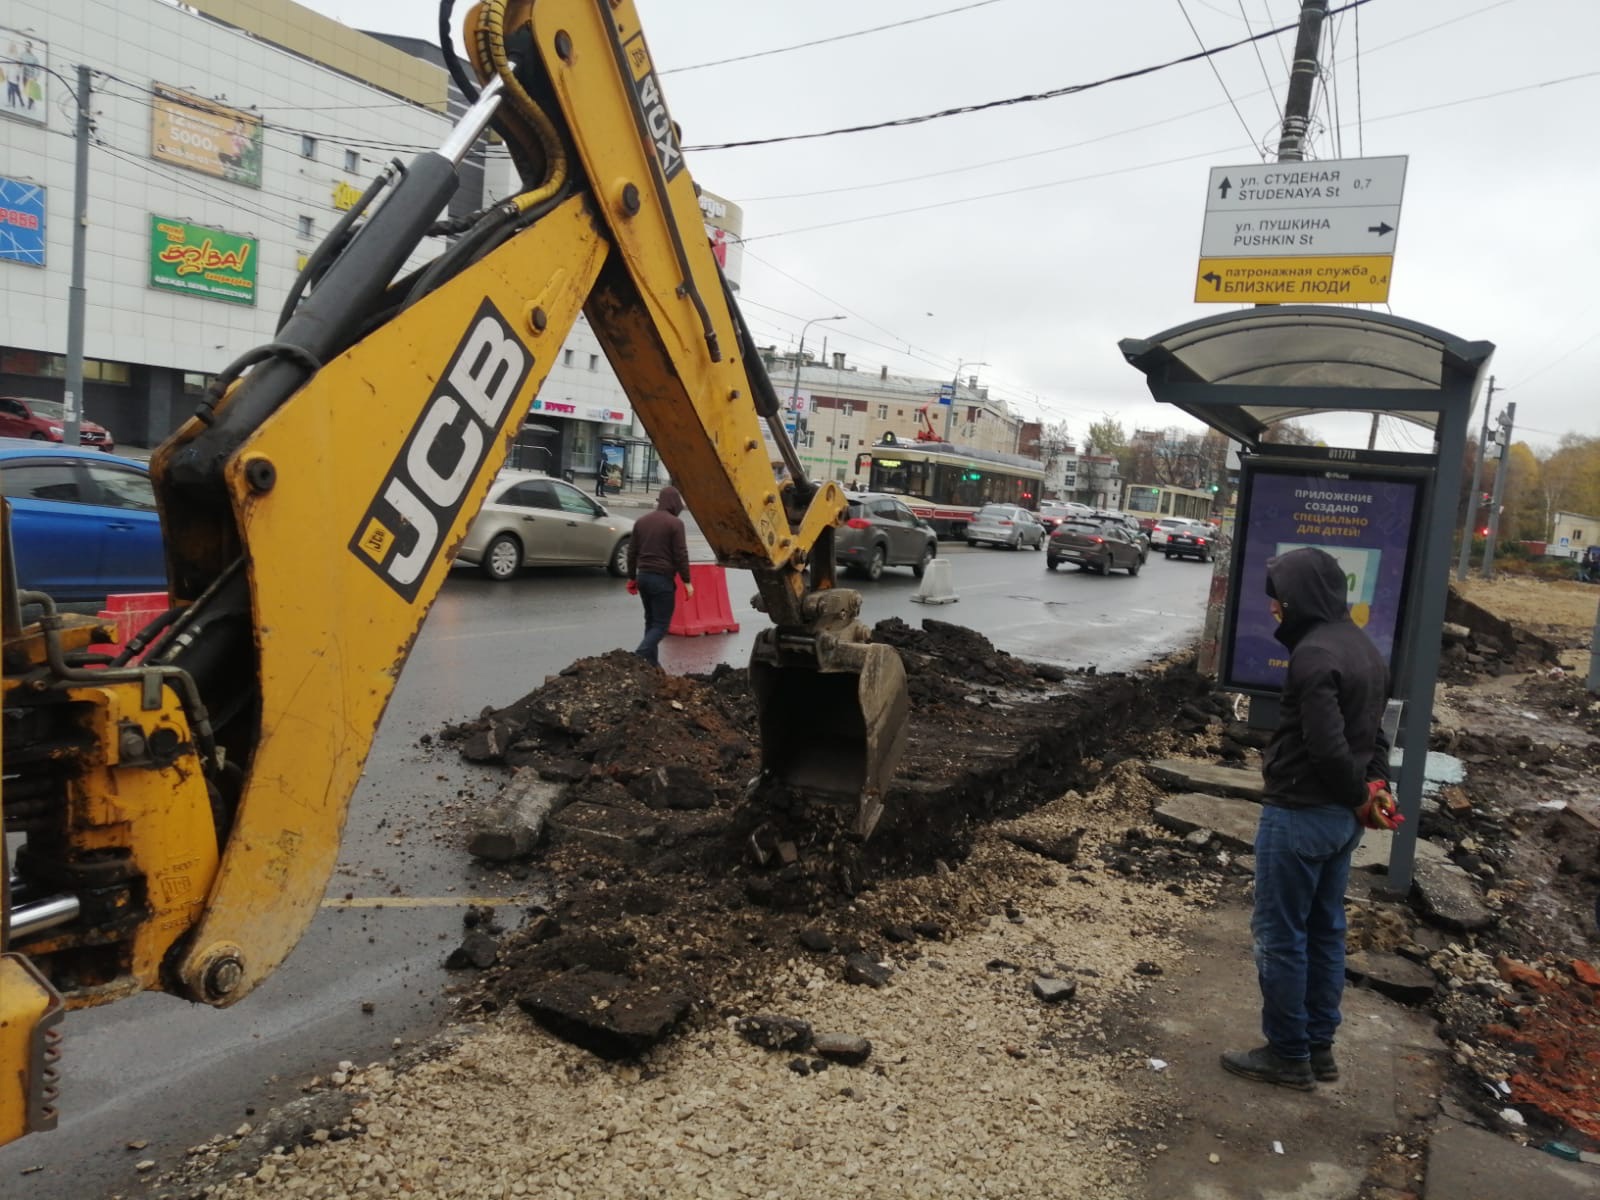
<point x="936" y="587"/>
<point x="708" y="610"/>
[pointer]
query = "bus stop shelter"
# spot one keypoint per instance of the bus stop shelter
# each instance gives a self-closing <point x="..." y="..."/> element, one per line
<point x="1242" y="372"/>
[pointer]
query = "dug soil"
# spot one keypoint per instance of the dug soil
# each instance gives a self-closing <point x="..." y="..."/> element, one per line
<point x="686" y="878"/>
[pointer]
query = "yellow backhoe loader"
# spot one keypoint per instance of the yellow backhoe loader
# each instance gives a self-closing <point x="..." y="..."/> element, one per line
<point x="179" y="800"/>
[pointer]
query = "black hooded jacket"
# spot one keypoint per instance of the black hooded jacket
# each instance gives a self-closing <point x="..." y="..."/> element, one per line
<point x="1330" y="741"/>
<point x="659" y="545"/>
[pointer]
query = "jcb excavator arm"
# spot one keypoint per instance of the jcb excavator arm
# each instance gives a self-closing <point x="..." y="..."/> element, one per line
<point x="182" y="799"/>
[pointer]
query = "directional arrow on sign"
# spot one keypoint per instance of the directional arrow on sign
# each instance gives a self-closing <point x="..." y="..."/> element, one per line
<point x="1213" y="279"/>
<point x="1223" y="187"/>
<point x="1381" y="228"/>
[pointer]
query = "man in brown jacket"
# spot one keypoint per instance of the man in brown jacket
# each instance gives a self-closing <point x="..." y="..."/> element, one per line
<point x="657" y="551"/>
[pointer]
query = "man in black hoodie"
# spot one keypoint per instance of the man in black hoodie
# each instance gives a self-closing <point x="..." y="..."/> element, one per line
<point x="1326" y="772"/>
<point x="657" y="551"/>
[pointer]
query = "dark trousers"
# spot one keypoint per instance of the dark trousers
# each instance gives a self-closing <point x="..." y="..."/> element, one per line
<point x="1302" y="867"/>
<point x="658" y="594"/>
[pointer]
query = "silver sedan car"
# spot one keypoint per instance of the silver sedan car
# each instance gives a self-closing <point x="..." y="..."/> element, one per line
<point x="1006" y="525"/>
<point x="531" y="520"/>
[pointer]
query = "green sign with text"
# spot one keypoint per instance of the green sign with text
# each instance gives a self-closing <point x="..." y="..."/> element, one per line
<point x="202" y="262"/>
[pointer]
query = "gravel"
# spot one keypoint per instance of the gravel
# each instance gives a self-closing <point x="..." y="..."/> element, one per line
<point x="973" y="1086"/>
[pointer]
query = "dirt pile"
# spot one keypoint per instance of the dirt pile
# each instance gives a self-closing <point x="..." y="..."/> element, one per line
<point x="682" y="883"/>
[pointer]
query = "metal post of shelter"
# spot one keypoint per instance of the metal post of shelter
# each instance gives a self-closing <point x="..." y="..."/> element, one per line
<point x="1240" y="372"/>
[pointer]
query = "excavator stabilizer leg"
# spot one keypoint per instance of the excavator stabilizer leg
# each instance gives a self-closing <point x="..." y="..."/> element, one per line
<point x="833" y="710"/>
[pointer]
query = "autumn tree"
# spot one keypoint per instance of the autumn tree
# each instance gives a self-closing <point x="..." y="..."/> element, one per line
<point x="1106" y="436"/>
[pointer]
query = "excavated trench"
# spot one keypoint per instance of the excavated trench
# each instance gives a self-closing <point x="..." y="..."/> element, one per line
<point x="678" y="884"/>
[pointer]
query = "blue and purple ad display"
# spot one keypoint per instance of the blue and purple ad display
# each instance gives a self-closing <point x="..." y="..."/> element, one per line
<point x="1365" y="524"/>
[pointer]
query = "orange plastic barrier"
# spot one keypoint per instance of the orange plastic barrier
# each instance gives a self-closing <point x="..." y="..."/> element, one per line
<point x="131" y="613"/>
<point x="708" y="610"/>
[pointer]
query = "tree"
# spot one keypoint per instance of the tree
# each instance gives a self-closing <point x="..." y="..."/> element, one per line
<point x="1289" y="433"/>
<point x="1106" y="436"/>
<point x="1570" y="478"/>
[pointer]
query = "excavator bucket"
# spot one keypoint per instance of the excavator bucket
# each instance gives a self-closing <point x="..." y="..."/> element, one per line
<point x="833" y="716"/>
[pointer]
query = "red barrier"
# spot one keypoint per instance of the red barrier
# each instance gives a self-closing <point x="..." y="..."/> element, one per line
<point x="131" y="613"/>
<point x="708" y="610"/>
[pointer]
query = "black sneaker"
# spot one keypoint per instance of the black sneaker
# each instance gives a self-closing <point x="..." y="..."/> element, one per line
<point x="1263" y="1065"/>
<point x="1323" y="1066"/>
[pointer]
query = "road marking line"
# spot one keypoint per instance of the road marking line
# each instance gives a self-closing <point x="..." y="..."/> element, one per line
<point x="417" y="901"/>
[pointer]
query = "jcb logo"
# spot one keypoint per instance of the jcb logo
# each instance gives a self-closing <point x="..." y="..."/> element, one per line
<point x="404" y="527"/>
<point x="658" y="124"/>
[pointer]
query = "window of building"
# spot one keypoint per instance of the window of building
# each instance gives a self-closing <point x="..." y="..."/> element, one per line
<point x="308" y="146"/>
<point x="883" y="412"/>
<point x="566" y="358"/>
<point x="844" y="441"/>
<point x="194" y="383"/>
<point x="54" y="366"/>
<point x="352" y="160"/>
<point x="594" y="362"/>
<point x="308" y="226"/>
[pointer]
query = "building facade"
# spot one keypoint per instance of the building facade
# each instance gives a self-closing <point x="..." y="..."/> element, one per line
<point x="229" y="137"/>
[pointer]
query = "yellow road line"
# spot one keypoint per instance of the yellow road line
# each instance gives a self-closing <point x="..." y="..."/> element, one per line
<point x="417" y="901"/>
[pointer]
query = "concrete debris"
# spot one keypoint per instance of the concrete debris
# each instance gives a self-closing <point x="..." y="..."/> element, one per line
<point x="1449" y="897"/>
<point x="510" y="825"/>
<point x="1396" y="977"/>
<point x="1231" y="821"/>
<point x="773" y="1032"/>
<point x="1054" y="991"/>
<point x="608" y="1015"/>
<point x="843" y="1048"/>
<point x="864" y="969"/>
<point x="478" y="950"/>
<point x="1205" y="777"/>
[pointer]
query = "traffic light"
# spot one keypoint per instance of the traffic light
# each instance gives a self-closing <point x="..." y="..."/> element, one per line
<point x="1214" y="489"/>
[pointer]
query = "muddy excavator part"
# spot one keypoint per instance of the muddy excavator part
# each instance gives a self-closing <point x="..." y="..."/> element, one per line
<point x="833" y="711"/>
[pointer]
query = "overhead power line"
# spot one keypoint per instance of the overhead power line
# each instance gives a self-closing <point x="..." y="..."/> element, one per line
<point x="838" y="37"/>
<point x="1261" y="62"/>
<point x="1212" y="63"/>
<point x="1029" y="98"/>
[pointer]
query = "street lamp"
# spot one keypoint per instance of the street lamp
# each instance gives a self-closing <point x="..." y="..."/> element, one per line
<point x="799" y="356"/>
<point x="955" y="390"/>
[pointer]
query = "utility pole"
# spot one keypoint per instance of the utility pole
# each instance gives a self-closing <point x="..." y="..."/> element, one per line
<point x="1464" y="560"/>
<point x="1302" y="77"/>
<point x="1507" y="422"/>
<point x="72" y="398"/>
<point x="955" y="391"/>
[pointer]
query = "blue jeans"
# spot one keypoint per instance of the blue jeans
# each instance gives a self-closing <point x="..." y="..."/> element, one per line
<point x="1302" y="867"/>
<point x="658" y="593"/>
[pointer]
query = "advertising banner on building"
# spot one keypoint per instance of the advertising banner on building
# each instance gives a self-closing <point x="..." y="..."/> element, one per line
<point x="202" y="135"/>
<point x="21" y="222"/>
<point x="1367" y="521"/>
<point x="202" y="262"/>
<point x="23" y="78"/>
<point x="611" y="462"/>
<point x="724" y="222"/>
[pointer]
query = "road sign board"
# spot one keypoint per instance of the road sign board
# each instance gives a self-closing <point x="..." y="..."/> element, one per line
<point x="1304" y="232"/>
<point x="1344" y="279"/>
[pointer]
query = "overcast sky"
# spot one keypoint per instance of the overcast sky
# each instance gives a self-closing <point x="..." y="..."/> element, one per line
<point x="1083" y="214"/>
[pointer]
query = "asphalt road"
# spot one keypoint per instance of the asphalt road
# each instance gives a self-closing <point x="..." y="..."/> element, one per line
<point x="158" y="1070"/>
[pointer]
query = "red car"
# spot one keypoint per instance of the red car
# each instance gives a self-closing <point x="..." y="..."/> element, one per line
<point x="42" y="420"/>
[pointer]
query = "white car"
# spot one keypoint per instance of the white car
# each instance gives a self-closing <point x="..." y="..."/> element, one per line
<point x="532" y="520"/>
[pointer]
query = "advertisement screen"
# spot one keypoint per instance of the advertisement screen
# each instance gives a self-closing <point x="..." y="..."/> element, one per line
<point x="1367" y="524"/>
<point x="23" y="59"/>
<point x="202" y="262"/>
<point x="21" y="222"/>
<point x="202" y="135"/>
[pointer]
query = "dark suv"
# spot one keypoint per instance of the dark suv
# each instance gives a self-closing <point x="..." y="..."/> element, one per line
<point x="1128" y="524"/>
<point x="880" y="531"/>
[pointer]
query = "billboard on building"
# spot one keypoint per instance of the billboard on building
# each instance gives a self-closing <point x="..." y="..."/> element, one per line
<point x="21" y="222"/>
<point x="724" y="221"/>
<point x="205" y="136"/>
<point x="23" y="59"/>
<point x="202" y="262"/>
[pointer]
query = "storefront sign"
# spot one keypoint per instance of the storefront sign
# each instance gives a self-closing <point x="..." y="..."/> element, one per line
<point x="202" y="135"/>
<point x="1367" y="523"/>
<point x="24" y="77"/>
<point x="202" y="262"/>
<point x="345" y="196"/>
<point x="21" y="222"/>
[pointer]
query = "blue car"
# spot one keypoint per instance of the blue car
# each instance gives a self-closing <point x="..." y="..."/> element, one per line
<point x="83" y="522"/>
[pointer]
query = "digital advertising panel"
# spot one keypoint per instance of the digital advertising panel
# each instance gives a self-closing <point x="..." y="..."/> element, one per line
<point x="202" y="262"/>
<point x="1368" y="519"/>
<point x="205" y="136"/>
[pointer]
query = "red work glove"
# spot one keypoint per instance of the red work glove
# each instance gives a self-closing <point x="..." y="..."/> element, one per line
<point x="1379" y="810"/>
<point x="633" y="587"/>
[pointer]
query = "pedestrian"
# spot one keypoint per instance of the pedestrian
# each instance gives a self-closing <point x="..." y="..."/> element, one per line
<point x="600" y="478"/>
<point x="1326" y="778"/>
<point x="657" y="551"/>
